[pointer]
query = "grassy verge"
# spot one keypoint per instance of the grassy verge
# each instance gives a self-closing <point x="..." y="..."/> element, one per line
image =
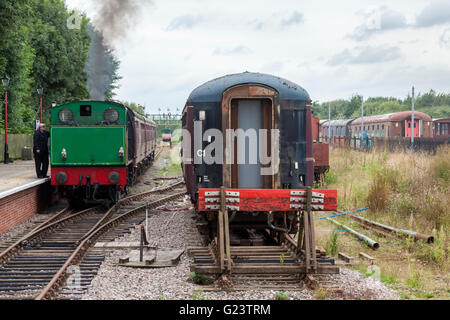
<point x="403" y="190"/>
<point x="172" y="166"/>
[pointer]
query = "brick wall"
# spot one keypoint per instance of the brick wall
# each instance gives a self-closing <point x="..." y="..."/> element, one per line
<point x="21" y="206"/>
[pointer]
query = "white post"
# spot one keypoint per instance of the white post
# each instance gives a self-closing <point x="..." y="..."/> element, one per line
<point x="362" y="122"/>
<point x="412" y="120"/>
<point x="329" y="122"/>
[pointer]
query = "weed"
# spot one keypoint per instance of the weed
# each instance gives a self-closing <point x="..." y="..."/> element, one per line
<point x="404" y="295"/>
<point x="281" y="296"/>
<point x="435" y="252"/>
<point x="199" y="295"/>
<point x="332" y="246"/>
<point x="415" y="281"/>
<point x="440" y="166"/>
<point x="282" y="259"/>
<point x="330" y="177"/>
<point x="200" y="279"/>
<point x="389" y="279"/>
<point x="320" y="294"/>
<point x="382" y="183"/>
<point x="427" y="295"/>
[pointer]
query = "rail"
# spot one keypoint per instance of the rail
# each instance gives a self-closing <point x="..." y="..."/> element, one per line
<point x="399" y="232"/>
<point x="90" y="238"/>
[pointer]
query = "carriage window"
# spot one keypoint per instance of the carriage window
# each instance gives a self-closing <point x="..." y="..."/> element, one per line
<point x="85" y="111"/>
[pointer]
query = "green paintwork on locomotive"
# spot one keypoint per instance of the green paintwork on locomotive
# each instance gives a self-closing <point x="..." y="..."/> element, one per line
<point x="88" y="141"/>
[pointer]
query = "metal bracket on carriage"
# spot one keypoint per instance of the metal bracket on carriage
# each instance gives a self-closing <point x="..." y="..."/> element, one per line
<point x="267" y="200"/>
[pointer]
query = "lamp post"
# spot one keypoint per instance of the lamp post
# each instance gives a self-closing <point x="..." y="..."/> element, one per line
<point x="168" y="117"/>
<point x="5" y="83"/>
<point x="40" y="92"/>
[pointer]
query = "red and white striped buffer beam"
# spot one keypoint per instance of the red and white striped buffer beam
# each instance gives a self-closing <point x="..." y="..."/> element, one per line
<point x="267" y="200"/>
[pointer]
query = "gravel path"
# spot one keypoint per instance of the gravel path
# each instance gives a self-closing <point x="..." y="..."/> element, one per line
<point x="355" y="286"/>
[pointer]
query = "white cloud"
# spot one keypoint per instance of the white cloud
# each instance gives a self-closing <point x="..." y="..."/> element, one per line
<point x="184" y="22"/>
<point x="234" y="51"/>
<point x="178" y="45"/>
<point x="436" y="13"/>
<point x="295" y="18"/>
<point x="366" y="55"/>
<point x="377" y="20"/>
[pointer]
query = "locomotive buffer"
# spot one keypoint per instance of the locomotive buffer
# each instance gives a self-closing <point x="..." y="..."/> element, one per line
<point x="290" y="257"/>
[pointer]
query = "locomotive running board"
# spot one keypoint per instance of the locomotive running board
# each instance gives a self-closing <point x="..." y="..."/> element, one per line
<point x="250" y="200"/>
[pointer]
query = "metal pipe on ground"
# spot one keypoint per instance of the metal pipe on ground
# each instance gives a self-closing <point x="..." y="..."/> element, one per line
<point x="400" y="232"/>
<point x="371" y="243"/>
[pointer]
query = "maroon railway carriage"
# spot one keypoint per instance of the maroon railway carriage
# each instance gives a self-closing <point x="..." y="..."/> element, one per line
<point x="441" y="128"/>
<point x="397" y="124"/>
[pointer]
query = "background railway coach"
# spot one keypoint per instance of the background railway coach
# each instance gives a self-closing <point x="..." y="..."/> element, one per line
<point x="251" y="101"/>
<point x="98" y="148"/>
<point x="395" y="125"/>
<point x="441" y="128"/>
<point x="321" y="152"/>
<point x="337" y="130"/>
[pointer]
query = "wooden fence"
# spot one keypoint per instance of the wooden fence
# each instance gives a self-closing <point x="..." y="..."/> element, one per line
<point x="16" y="142"/>
<point x="391" y="144"/>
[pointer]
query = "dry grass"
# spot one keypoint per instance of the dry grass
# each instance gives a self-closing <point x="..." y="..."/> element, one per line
<point x="404" y="190"/>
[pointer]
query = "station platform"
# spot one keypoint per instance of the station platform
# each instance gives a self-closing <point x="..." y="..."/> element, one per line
<point x="18" y="176"/>
<point x="22" y="194"/>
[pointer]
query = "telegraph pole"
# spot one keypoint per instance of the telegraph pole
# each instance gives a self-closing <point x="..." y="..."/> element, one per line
<point x="329" y="122"/>
<point x="412" y="120"/>
<point x="362" y="122"/>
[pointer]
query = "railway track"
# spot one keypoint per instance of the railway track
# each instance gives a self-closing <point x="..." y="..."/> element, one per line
<point x="38" y="265"/>
<point x="276" y="268"/>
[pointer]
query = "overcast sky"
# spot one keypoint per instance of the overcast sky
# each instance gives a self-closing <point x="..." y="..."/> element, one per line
<point x="331" y="48"/>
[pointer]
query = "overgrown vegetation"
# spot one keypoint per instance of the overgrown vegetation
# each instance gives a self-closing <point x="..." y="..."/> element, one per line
<point x="200" y="295"/>
<point x="404" y="190"/>
<point x="400" y="187"/>
<point x="200" y="279"/>
<point x="281" y="296"/>
<point x="332" y="246"/>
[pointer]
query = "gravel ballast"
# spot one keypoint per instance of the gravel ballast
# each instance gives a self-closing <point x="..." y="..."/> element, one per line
<point x="121" y="283"/>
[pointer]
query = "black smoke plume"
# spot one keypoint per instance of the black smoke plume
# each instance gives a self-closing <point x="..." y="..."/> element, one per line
<point x="116" y="18"/>
<point x="113" y="22"/>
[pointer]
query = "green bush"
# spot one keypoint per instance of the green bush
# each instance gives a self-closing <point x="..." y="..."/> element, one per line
<point x="331" y="177"/>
